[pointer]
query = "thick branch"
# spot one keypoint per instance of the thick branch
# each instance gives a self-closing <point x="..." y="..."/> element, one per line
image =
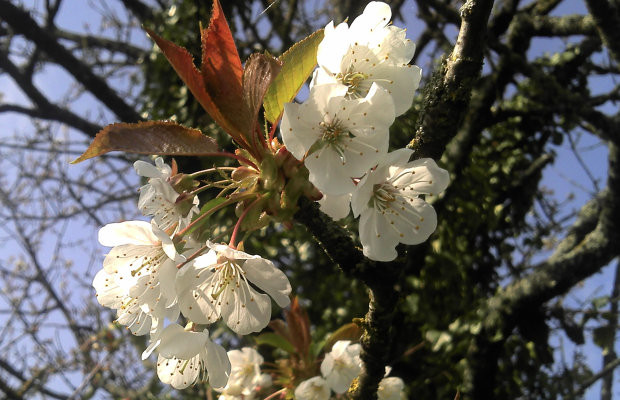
<point x="44" y="108"/>
<point x="133" y="53"/>
<point x="22" y="23"/>
<point x="332" y="238"/>
<point x="607" y="19"/>
<point x="592" y="243"/>
<point x="380" y="278"/>
<point x="447" y="95"/>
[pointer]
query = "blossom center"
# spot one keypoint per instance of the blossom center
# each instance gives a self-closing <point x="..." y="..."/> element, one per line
<point x="333" y="136"/>
<point x="383" y="195"/>
<point x="353" y="81"/>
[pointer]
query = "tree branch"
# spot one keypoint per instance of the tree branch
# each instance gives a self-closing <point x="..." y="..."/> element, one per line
<point x="607" y="19"/>
<point x="22" y="23"/>
<point x="447" y="95"/>
<point x="44" y="109"/>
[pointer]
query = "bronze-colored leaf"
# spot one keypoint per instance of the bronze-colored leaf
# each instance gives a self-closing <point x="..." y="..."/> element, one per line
<point x="260" y="70"/>
<point x="152" y="137"/>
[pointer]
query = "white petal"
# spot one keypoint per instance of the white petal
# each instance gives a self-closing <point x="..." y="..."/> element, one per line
<point x="391" y="389"/>
<point x="217" y="364"/>
<point x="245" y="310"/>
<point x="423" y="176"/>
<point x="205" y="260"/>
<point x="333" y="46"/>
<point x="128" y="232"/>
<point x="151" y="347"/>
<point x="337" y="207"/>
<point x="195" y="300"/>
<point x="228" y="252"/>
<point x="160" y="170"/>
<point x="312" y="389"/>
<point x="176" y="342"/>
<point x="167" y="277"/>
<point x="378" y="240"/>
<point x="109" y="294"/>
<point x="401" y="82"/>
<point x="362" y="194"/>
<point x="146" y="169"/>
<point x="327" y="365"/>
<point x="177" y="372"/>
<point x="415" y="223"/>
<point x="376" y="15"/>
<point x="264" y="274"/>
<point x="328" y="173"/>
<point x="299" y="130"/>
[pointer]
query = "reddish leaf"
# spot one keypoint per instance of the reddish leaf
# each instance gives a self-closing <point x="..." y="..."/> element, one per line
<point x="260" y="70"/>
<point x="153" y="137"/>
<point x="183" y="64"/>
<point x="222" y="71"/>
<point x="221" y="65"/>
<point x="299" y="327"/>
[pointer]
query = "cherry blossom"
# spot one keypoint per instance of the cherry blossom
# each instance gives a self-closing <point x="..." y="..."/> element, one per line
<point x="369" y="51"/>
<point x="186" y="357"/>
<point x="341" y="365"/>
<point x="217" y="284"/>
<point x="159" y="199"/>
<point x="390" y="207"/>
<point x="391" y="388"/>
<point x="338" y="138"/>
<point x="312" y="389"/>
<point x="245" y="376"/>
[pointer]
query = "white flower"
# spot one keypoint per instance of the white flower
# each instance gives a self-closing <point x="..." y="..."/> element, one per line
<point x="187" y="357"/>
<point x="138" y="275"/>
<point x="159" y="199"/>
<point x="339" y="138"/>
<point x="390" y="207"/>
<point x="312" y="389"/>
<point x="369" y="51"/>
<point x="391" y="389"/>
<point x="341" y="365"/>
<point x="218" y="284"/>
<point x="337" y="207"/>
<point x="245" y="376"/>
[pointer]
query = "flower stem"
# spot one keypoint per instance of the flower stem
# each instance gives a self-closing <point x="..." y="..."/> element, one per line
<point x="276" y="394"/>
<point x="210" y="170"/>
<point x="231" y="200"/>
<point x="233" y="237"/>
<point x="193" y="256"/>
<point x="231" y="155"/>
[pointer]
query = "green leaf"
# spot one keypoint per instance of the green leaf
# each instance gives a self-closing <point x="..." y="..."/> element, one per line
<point x="153" y="137"/>
<point x="298" y="63"/>
<point x="276" y="341"/>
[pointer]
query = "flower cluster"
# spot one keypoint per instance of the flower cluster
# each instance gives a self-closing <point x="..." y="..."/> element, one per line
<point x="156" y="271"/>
<point x="164" y="273"/>
<point x="363" y="81"/>
<point x="338" y="369"/>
